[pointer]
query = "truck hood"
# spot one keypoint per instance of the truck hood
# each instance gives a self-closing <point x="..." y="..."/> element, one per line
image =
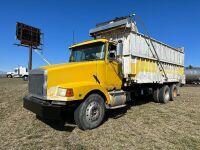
<point x="70" y="73"/>
<point x="10" y="72"/>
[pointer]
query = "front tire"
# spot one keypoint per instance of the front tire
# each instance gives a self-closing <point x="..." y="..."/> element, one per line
<point x="90" y="113"/>
<point x="9" y="76"/>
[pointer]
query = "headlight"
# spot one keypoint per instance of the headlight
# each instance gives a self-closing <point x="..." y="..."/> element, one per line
<point x="65" y="92"/>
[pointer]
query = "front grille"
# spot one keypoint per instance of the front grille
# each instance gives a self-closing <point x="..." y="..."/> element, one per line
<point x="37" y="83"/>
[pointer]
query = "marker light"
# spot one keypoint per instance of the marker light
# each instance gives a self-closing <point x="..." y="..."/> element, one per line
<point x="69" y="93"/>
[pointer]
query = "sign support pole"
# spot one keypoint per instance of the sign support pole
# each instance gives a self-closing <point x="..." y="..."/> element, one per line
<point x="30" y="58"/>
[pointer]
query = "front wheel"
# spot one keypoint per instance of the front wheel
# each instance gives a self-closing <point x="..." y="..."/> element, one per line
<point x="9" y="76"/>
<point x="90" y="113"/>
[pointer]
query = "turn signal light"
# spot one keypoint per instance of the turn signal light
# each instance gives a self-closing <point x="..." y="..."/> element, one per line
<point x="69" y="93"/>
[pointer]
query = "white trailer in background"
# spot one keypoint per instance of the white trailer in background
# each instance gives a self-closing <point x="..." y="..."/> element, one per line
<point x="19" y="72"/>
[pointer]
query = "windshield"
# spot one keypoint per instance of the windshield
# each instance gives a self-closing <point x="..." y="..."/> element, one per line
<point x="90" y="52"/>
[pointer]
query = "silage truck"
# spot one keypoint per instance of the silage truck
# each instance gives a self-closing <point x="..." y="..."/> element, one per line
<point x="106" y="73"/>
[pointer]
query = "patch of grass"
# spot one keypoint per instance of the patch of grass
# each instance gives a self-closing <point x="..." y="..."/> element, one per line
<point x="146" y="125"/>
<point x="189" y="142"/>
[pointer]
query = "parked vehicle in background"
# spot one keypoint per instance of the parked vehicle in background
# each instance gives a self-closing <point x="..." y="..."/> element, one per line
<point x="106" y="73"/>
<point x="192" y="75"/>
<point x="19" y="72"/>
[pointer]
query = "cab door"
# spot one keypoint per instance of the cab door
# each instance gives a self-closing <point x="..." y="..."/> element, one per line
<point x="113" y="68"/>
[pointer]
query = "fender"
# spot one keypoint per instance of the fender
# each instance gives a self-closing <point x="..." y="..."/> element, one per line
<point x="80" y="89"/>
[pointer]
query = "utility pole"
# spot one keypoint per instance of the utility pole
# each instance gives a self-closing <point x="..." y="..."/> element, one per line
<point x="30" y="58"/>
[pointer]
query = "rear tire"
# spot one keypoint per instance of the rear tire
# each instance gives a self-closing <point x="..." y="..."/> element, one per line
<point x="173" y="92"/>
<point x="156" y="95"/>
<point x="25" y="78"/>
<point x="90" y="113"/>
<point x="164" y="94"/>
<point x="178" y="89"/>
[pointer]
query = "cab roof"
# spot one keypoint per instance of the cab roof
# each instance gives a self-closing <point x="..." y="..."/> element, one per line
<point x="88" y="42"/>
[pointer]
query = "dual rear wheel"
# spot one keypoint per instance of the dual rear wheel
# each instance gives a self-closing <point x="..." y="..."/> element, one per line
<point x="165" y="93"/>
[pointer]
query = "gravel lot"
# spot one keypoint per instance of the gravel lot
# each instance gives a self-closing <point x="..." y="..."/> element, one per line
<point x="145" y="125"/>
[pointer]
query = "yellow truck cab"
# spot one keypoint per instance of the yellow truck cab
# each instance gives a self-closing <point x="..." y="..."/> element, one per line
<point x="103" y="73"/>
<point x="93" y="70"/>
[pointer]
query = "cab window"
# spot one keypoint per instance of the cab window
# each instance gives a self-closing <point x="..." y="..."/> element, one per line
<point x="111" y="51"/>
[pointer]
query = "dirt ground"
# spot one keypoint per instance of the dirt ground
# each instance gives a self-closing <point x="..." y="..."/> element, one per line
<point x="145" y="125"/>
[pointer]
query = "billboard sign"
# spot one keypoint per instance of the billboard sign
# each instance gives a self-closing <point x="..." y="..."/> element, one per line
<point x="28" y="35"/>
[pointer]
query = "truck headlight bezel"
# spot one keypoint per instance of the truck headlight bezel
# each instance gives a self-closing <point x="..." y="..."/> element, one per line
<point x="65" y="92"/>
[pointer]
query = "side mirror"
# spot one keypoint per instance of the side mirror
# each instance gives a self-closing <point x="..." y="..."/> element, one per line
<point x="119" y="48"/>
<point x="112" y="55"/>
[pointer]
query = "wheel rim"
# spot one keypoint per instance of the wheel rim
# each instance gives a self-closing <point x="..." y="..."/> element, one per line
<point x="174" y="92"/>
<point x="92" y="112"/>
<point x="167" y="96"/>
